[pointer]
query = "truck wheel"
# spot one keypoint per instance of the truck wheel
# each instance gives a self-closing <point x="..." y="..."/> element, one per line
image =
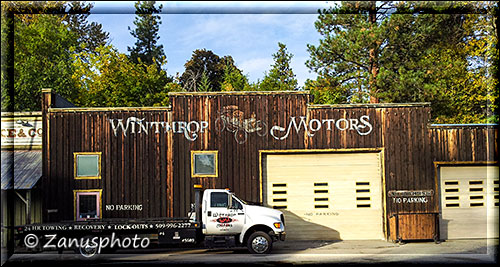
<point x="259" y="243"/>
<point x="86" y="249"/>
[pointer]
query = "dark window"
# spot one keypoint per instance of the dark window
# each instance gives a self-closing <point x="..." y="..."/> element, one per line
<point x="218" y="200"/>
<point x="87" y="206"/>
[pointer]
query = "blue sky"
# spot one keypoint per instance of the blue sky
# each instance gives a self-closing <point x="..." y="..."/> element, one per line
<point x="247" y="31"/>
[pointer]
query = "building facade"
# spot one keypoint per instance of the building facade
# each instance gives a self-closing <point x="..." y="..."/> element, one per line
<point x="369" y="171"/>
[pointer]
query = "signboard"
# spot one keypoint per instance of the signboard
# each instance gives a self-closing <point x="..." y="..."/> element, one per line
<point x="410" y="196"/>
<point x="23" y="132"/>
<point x="241" y="127"/>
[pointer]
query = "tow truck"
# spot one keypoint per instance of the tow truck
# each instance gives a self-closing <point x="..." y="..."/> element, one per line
<point x="218" y="219"/>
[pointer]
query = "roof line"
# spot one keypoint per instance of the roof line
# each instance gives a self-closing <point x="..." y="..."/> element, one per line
<point x="369" y="105"/>
<point x="238" y="93"/>
<point x="87" y="109"/>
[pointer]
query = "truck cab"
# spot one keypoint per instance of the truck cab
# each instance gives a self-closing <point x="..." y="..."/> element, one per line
<point x="229" y="221"/>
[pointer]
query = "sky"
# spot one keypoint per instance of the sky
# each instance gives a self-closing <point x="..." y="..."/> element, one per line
<point x="247" y="31"/>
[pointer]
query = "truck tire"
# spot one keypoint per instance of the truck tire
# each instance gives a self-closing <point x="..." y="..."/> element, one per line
<point x="86" y="250"/>
<point x="259" y="243"/>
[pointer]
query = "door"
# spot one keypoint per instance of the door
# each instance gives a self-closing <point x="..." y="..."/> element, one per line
<point x="469" y="202"/>
<point x="326" y="196"/>
<point x="221" y="219"/>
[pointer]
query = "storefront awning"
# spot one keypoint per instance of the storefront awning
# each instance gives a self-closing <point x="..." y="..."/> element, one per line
<point x="21" y="168"/>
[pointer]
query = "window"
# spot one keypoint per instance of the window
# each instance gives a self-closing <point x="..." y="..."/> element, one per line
<point x="237" y="204"/>
<point x="204" y="164"/>
<point x="218" y="200"/>
<point x="87" y="165"/>
<point x="87" y="204"/>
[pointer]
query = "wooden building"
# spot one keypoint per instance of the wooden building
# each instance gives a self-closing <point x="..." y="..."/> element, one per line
<point x="370" y="171"/>
<point x="21" y="167"/>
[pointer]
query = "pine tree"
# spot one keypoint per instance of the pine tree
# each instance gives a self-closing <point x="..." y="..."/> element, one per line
<point x="204" y="85"/>
<point x="281" y="76"/>
<point x="147" y="25"/>
<point x="407" y="52"/>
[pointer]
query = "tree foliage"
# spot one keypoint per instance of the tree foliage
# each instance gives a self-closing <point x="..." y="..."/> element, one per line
<point x="43" y="35"/>
<point x="281" y="76"/>
<point x="109" y="78"/>
<point x="438" y="52"/>
<point x="234" y="80"/>
<point x="42" y="59"/>
<point x="217" y="69"/>
<point x="147" y="24"/>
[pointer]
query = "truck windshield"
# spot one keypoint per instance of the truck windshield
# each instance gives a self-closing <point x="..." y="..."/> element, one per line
<point x="240" y="200"/>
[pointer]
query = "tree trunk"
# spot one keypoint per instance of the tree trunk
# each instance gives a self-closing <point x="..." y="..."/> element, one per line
<point x="373" y="59"/>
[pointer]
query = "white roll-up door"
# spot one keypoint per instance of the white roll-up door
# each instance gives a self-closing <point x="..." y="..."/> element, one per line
<point x="326" y="196"/>
<point x="469" y="202"/>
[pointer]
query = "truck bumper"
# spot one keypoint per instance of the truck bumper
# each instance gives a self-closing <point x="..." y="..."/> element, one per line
<point x="280" y="236"/>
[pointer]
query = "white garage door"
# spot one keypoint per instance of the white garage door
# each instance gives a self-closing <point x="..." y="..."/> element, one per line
<point x="469" y="202"/>
<point x="326" y="196"/>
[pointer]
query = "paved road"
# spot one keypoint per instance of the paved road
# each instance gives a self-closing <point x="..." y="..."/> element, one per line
<point x="289" y="252"/>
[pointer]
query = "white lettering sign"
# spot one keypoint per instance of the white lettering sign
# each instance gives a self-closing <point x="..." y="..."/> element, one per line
<point x="123" y="207"/>
<point x="410" y="196"/>
<point x="362" y="126"/>
<point x="192" y="129"/>
<point x="135" y="125"/>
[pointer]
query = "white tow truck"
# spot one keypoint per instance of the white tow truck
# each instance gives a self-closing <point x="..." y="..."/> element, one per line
<point x="218" y="219"/>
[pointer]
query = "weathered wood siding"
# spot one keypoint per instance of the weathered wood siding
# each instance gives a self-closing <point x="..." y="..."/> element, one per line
<point x="238" y="163"/>
<point x="464" y="143"/>
<point x="399" y="130"/>
<point x="135" y="169"/>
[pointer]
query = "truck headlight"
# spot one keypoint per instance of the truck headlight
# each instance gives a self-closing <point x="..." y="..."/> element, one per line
<point x="277" y="225"/>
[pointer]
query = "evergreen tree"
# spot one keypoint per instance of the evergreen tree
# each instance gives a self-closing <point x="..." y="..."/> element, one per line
<point x="90" y="34"/>
<point x="204" y="85"/>
<point x="281" y="76"/>
<point x="234" y="80"/>
<point x="407" y="52"/>
<point x="147" y="25"/>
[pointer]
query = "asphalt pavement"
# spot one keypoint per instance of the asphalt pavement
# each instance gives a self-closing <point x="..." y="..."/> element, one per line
<point x="470" y="251"/>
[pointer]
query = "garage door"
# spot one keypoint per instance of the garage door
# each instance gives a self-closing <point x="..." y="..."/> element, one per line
<point x="326" y="196"/>
<point x="469" y="202"/>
